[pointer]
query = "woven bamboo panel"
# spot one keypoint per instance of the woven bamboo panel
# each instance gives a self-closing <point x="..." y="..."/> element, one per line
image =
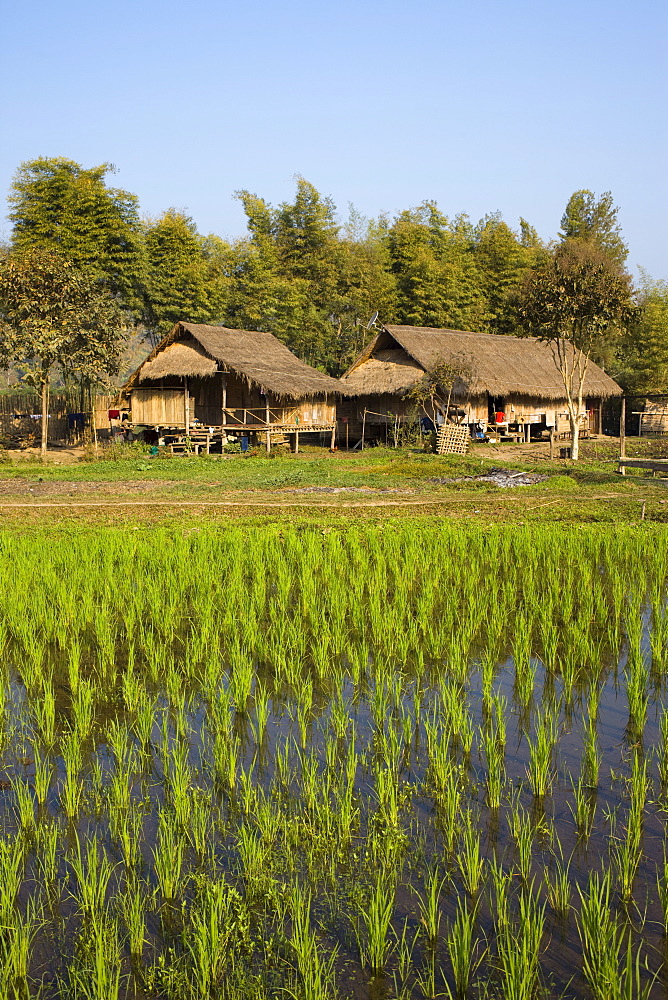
<point x="452" y="439"/>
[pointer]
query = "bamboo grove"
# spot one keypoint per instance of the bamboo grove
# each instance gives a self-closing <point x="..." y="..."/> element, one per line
<point x="310" y="277"/>
<point x="257" y="762"/>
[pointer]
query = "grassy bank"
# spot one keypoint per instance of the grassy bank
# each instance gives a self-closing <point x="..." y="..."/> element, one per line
<point x="328" y="489"/>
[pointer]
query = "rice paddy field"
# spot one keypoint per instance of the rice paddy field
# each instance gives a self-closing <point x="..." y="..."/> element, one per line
<point x="359" y="761"/>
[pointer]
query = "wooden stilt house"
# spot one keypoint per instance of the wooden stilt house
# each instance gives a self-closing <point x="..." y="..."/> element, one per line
<point x="516" y="389"/>
<point x="214" y="383"/>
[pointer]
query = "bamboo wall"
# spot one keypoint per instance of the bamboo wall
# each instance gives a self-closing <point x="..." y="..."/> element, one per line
<point x="383" y="408"/>
<point x="163" y="404"/>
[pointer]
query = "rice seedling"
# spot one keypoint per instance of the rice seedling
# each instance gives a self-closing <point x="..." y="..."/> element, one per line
<point x="493" y="740"/>
<point x="95" y="973"/>
<point x="662" y="752"/>
<point x="315" y="973"/>
<point x="583" y="808"/>
<point x="25" y="808"/>
<point x="541" y="748"/>
<point x="559" y="887"/>
<point x="132" y="906"/>
<point x="518" y="948"/>
<point x="72" y="791"/>
<point x="374" y="920"/>
<point x="430" y="904"/>
<point x="470" y="860"/>
<point x="47" y="853"/>
<point x="591" y="754"/>
<point x="601" y="938"/>
<point x="522" y="834"/>
<point x="168" y="856"/>
<point x="464" y="949"/>
<point x="16" y="944"/>
<point x="92" y="871"/>
<point x="267" y="734"/>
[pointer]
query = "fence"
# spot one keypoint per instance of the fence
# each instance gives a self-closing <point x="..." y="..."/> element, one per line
<point x="70" y="416"/>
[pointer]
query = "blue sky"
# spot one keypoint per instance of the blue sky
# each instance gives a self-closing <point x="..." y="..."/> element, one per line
<point x="481" y="106"/>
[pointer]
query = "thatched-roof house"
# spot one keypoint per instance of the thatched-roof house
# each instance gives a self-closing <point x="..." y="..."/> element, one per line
<point x="235" y="382"/>
<point x="514" y="376"/>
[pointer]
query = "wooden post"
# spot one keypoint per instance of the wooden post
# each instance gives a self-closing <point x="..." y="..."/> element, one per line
<point x="551" y="443"/>
<point x="223" y="420"/>
<point x="347" y="448"/>
<point x="333" y="441"/>
<point x="363" y="428"/>
<point x="186" y="405"/>
<point x="266" y="417"/>
<point x="93" y="420"/>
<point x="622" y="435"/>
<point x="45" y="413"/>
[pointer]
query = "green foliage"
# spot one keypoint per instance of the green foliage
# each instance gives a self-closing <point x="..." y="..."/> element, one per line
<point x="579" y="301"/>
<point x="57" y="204"/>
<point x="438" y="280"/>
<point x="577" y="296"/>
<point x="187" y="274"/>
<point x="54" y="314"/>
<point x="643" y="352"/>
<point x="594" y="220"/>
<point x="503" y="261"/>
<point x="313" y="280"/>
<point x="434" y="391"/>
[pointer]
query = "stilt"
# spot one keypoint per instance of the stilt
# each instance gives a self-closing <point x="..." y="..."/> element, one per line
<point x="333" y="440"/>
<point x="622" y="435"/>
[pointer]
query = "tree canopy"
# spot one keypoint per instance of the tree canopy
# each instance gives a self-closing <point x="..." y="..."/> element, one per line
<point x="310" y="277"/>
<point x="57" y="204"/>
<point x="577" y="299"/>
<point x="594" y="220"/>
<point x="54" y="315"/>
<point x="186" y="274"/>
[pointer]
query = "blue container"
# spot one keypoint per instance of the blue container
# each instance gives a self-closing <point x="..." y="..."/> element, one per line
<point x="244" y="443"/>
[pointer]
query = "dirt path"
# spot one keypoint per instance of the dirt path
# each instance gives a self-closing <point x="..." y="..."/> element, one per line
<point x="251" y="501"/>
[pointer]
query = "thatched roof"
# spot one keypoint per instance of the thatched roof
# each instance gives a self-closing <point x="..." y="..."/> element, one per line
<point x="192" y="349"/>
<point x="185" y="357"/>
<point x="398" y="356"/>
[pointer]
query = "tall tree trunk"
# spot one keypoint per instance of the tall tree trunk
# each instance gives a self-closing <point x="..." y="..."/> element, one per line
<point x="45" y="411"/>
<point x="575" y="434"/>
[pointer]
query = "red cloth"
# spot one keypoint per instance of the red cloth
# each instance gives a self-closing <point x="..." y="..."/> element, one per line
<point x="114" y="414"/>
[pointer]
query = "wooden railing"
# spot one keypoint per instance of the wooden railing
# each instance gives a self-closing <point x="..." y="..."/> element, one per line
<point x="285" y="417"/>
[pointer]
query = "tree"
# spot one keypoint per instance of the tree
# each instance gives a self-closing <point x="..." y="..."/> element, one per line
<point x="502" y="261"/>
<point x="433" y="392"/>
<point x="52" y="314"/>
<point x="575" y="300"/>
<point x="433" y="260"/>
<point x="594" y="220"/>
<point x="187" y="275"/>
<point x="56" y="204"/>
<point x="643" y="353"/>
<point x="300" y="279"/>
